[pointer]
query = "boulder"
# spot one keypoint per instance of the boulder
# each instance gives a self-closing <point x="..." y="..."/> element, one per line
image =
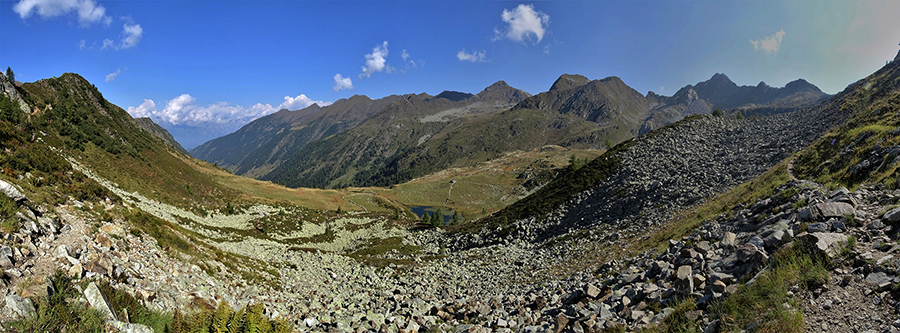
<point x="729" y="239"/>
<point x="684" y="281"/>
<point x="825" y="210"/>
<point x="749" y="253"/>
<point x="876" y="225"/>
<point x="12" y="192"/>
<point x="827" y="243"/>
<point x="775" y="239"/>
<point x="879" y="280"/>
<point x="719" y="286"/>
<point x="892" y="216"/>
<point x="18" y="307"/>
<point x="99" y="301"/>
<point x="114" y="230"/>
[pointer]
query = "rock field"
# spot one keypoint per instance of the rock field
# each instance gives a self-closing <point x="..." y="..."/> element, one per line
<point x="484" y="283"/>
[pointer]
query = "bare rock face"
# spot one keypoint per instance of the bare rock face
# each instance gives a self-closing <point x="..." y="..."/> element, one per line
<point x="9" y="89"/>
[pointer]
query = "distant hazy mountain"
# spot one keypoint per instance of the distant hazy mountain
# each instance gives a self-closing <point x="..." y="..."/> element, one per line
<point x="264" y="143"/>
<point x="148" y="125"/>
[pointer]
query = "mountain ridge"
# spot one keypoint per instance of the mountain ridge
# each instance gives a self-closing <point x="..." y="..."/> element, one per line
<point x="389" y="147"/>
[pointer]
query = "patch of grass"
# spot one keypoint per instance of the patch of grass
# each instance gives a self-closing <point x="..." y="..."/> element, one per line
<point x="871" y="105"/>
<point x="762" y="304"/>
<point x="677" y="321"/>
<point x="8" y="208"/>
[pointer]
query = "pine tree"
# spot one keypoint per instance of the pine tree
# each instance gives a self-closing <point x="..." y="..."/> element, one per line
<point x="456" y="218"/>
<point x="438" y="219"/>
<point x="10" y="75"/>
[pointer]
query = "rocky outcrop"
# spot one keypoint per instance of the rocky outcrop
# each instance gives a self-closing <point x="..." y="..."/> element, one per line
<point x="8" y="89"/>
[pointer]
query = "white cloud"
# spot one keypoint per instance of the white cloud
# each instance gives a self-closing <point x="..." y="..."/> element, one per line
<point x="88" y="11"/>
<point x="404" y="55"/>
<point x="523" y="23"/>
<point x="770" y="44"/>
<point x="82" y="44"/>
<point x="477" y="56"/>
<point x="299" y="102"/>
<point x="375" y="61"/>
<point x="107" y="43"/>
<point x="112" y="76"/>
<point x="146" y="109"/>
<point x="341" y="83"/>
<point x="183" y="110"/>
<point x="131" y="35"/>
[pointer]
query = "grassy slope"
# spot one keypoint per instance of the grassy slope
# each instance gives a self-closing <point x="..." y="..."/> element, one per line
<point x="873" y="103"/>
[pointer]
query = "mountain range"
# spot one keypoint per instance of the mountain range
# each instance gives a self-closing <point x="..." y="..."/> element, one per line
<point x="362" y="142"/>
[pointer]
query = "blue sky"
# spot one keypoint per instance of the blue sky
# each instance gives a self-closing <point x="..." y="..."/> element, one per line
<point x="203" y="68"/>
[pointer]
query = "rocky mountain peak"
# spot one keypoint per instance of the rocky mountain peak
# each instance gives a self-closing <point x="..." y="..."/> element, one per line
<point x="720" y="78"/>
<point x="567" y="81"/>
<point x="801" y="85"/>
<point x="502" y="92"/>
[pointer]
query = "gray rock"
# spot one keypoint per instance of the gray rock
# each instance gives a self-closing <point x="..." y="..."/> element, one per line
<point x="605" y="314"/>
<point x="5" y="262"/>
<point x="825" y="210"/>
<point x="729" y="239"/>
<point x="839" y="225"/>
<point x="876" y="225"/>
<point x="749" y="253"/>
<point x="592" y="291"/>
<point x="775" y="239"/>
<point x="713" y="327"/>
<point x="757" y="241"/>
<point x="124" y="327"/>
<point x="99" y="301"/>
<point x="827" y="243"/>
<point x="684" y="281"/>
<point x="818" y="227"/>
<point x="892" y="216"/>
<point x="880" y="280"/>
<point x="719" y="286"/>
<point x="19" y="307"/>
<point x="724" y="277"/>
<point x="6" y="251"/>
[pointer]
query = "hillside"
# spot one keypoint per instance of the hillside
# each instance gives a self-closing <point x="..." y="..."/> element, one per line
<point x="148" y="125"/>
